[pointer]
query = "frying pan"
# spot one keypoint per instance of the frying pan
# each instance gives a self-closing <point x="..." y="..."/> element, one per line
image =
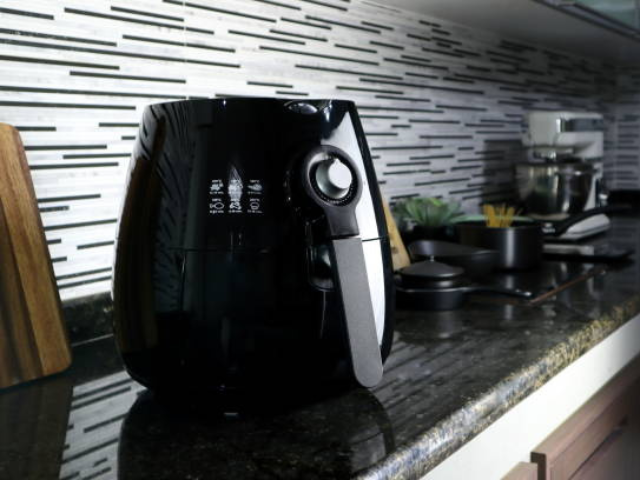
<point x="520" y="246"/>
<point x="477" y="262"/>
<point x="431" y="285"/>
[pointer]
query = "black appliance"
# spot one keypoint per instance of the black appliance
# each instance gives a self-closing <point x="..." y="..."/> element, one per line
<point x="252" y="249"/>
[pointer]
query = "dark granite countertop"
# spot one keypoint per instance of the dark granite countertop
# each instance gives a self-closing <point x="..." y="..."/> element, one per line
<point x="449" y="376"/>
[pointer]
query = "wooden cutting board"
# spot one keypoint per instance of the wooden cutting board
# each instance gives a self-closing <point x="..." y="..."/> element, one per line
<point x="399" y="253"/>
<point x="33" y="337"/>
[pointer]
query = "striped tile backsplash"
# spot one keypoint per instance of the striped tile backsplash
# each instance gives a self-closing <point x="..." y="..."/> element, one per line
<point x="442" y="104"/>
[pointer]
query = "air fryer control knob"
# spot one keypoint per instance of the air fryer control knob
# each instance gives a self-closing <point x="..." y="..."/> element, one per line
<point x="333" y="178"/>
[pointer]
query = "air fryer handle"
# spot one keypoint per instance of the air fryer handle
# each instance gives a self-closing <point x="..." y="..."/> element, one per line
<point x="351" y="282"/>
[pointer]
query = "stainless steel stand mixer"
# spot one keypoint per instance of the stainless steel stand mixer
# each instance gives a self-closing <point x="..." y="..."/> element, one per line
<point x="562" y="173"/>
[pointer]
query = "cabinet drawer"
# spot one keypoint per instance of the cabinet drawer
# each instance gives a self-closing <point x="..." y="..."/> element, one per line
<point x="574" y="443"/>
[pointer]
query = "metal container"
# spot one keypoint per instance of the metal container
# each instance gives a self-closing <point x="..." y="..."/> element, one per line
<point x="554" y="189"/>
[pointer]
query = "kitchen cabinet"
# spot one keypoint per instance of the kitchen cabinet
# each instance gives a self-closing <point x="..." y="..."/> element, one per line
<point x="583" y="417"/>
<point x="604" y="29"/>
<point x="598" y="440"/>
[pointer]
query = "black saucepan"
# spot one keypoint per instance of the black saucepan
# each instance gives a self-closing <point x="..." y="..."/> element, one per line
<point x="520" y="246"/>
<point x="476" y="261"/>
<point x="431" y="285"/>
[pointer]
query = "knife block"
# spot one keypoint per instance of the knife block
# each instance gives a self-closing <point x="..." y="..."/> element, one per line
<point x="33" y="337"/>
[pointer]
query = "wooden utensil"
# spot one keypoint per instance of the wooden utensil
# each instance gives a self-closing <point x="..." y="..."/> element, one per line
<point x="33" y="338"/>
<point x="399" y="253"/>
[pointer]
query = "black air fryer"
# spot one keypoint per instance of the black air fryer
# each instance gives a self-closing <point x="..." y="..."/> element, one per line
<point x="252" y="248"/>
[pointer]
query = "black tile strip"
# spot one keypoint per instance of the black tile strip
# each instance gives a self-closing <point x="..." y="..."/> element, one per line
<point x="508" y="56"/>
<point x="373" y="90"/>
<point x="419" y="37"/>
<point x="86" y="92"/>
<point x="306" y="24"/>
<point x="325" y="4"/>
<point x="46" y="61"/>
<point x="462" y="107"/>
<point x="12" y="11"/>
<point x="421" y="75"/>
<point x="318" y="55"/>
<point x="220" y="10"/>
<point x="429" y="120"/>
<point x="104" y="423"/>
<point x="118" y="53"/>
<point x="379" y="117"/>
<point x="431" y="157"/>
<point x="405" y="62"/>
<point x="297" y="35"/>
<point x="289" y="92"/>
<point x="442" y="52"/>
<point x="97" y="474"/>
<point x="65" y="105"/>
<point x="341" y="24"/>
<point x="423" y="60"/>
<point x="95" y="245"/>
<point x="387" y="45"/>
<point x="80" y="224"/>
<point x="441" y="32"/>
<point x="72" y="197"/>
<point x="58" y="259"/>
<point x="84" y="282"/>
<point x="126" y="77"/>
<point x="405" y="147"/>
<point x="467" y="53"/>
<point x="381" y="134"/>
<point x="359" y="49"/>
<point x="62" y="208"/>
<point x="346" y="72"/>
<point x="278" y="4"/>
<point x="398" y="109"/>
<point x="266" y="37"/>
<point x="446" y="40"/>
<point x="54" y="241"/>
<point x="407" y="164"/>
<point x="147" y="14"/>
<point x="36" y="148"/>
<point x="449" y="137"/>
<point x="437" y="182"/>
<point x="267" y="84"/>
<point x="58" y="166"/>
<point x="64" y="38"/>
<point x="406" y="99"/>
<point x="74" y="156"/>
<point x="377" y="25"/>
<point x="427" y="86"/>
<point x="34" y="129"/>
<point x="83" y="274"/>
<point x="179" y="44"/>
<point x="119" y="18"/>
<point x="88" y="451"/>
<point x="123" y="125"/>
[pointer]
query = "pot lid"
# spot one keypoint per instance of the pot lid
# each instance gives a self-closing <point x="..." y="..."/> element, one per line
<point x="431" y="270"/>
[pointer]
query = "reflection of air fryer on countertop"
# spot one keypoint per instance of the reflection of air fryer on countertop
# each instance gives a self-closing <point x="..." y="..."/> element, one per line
<point x="252" y="247"/>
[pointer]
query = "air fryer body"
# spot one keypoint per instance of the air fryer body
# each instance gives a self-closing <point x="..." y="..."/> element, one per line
<point x="222" y="277"/>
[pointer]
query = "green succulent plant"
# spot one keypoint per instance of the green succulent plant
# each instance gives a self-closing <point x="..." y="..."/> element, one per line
<point x="427" y="212"/>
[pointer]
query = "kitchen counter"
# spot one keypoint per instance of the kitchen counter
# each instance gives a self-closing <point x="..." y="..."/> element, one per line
<point x="450" y="375"/>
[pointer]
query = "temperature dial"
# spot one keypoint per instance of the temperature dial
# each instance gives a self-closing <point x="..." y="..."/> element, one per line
<point x="333" y="178"/>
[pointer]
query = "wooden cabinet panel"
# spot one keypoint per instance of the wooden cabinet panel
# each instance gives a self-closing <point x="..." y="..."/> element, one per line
<point x="580" y="439"/>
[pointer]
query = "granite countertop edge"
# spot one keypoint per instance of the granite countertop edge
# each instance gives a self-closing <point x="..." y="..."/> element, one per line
<point x="447" y="436"/>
